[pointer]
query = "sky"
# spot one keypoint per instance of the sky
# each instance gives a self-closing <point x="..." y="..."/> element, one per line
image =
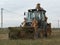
<point x="13" y="11"/>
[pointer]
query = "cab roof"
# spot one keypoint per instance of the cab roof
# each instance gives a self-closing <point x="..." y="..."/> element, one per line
<point x="32" y="10"/>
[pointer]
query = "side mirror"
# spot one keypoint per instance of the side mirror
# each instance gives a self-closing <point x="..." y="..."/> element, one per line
<point x="24" y="13"/>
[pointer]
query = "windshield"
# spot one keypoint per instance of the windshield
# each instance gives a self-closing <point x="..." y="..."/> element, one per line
<point x="38" y="15"/>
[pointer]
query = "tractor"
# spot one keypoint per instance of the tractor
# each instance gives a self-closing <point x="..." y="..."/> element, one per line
<point x="26" y="30"/>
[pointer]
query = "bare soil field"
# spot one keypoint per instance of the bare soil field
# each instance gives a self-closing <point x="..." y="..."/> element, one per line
<point x="54" y="39"/>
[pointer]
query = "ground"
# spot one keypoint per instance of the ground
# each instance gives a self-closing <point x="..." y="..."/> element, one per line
<point x="53" y="40"/>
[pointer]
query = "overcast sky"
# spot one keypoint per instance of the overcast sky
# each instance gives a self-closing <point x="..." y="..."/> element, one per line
<point x="14" y="10"/>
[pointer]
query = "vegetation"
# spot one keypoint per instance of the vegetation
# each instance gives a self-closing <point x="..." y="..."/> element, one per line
<point x="4" y="31"/>
<point x="31" y="42"/>
<point x="53" y="40"/>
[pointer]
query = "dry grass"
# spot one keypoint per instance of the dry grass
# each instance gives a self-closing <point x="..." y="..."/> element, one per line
<point x="31" y="42"/>
<point x="53" y="40"/>
<point x="3" y="36"/>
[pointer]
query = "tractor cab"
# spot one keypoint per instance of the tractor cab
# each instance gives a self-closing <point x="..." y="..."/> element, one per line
<point x="35" y="13"/>
<point x="38" y="13"/>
